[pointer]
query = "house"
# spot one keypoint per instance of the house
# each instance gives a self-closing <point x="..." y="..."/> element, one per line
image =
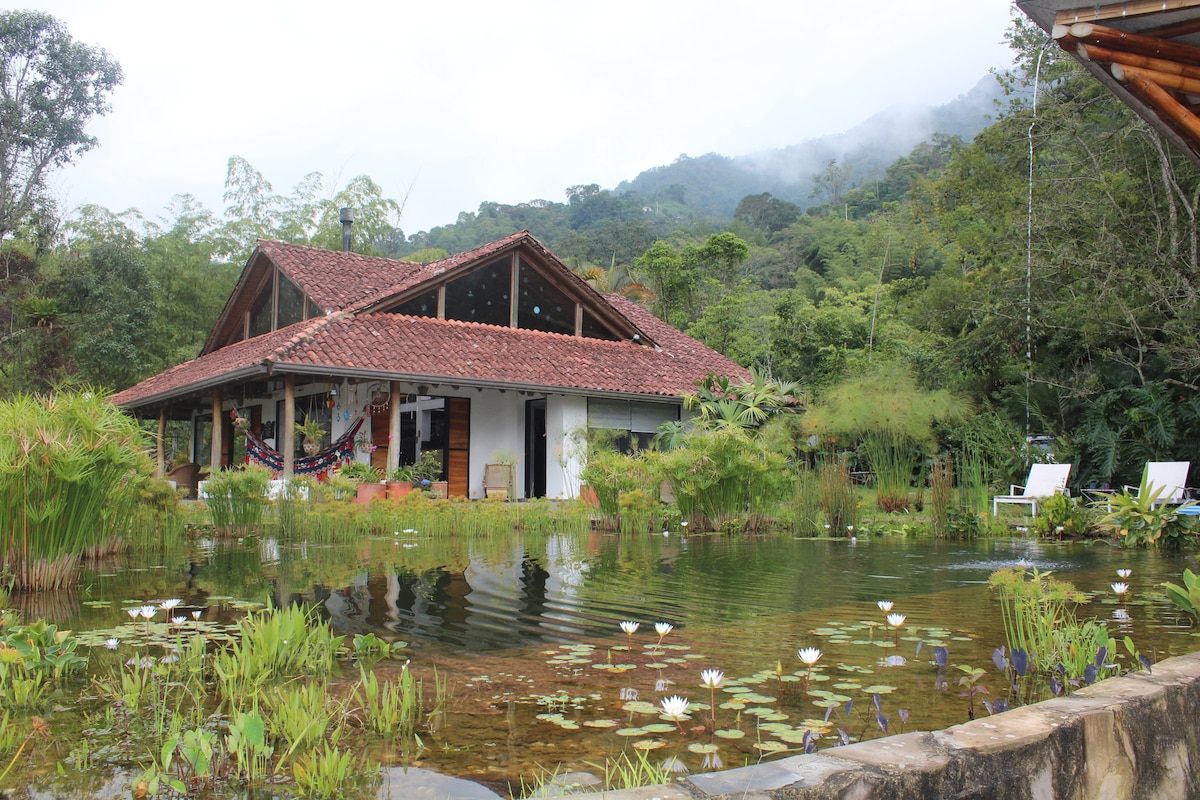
<point x="499" y="354"/>
<point x="1146" y="52"/>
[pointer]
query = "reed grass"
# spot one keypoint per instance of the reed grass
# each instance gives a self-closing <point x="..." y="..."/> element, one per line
<point x="806" y="502"/>
<point x="70" y="467"/>
<point x="237" y="500"/>
<point x="892" y="458"/>
<point x="941" y="490"/>
<point x="839" y="499"/>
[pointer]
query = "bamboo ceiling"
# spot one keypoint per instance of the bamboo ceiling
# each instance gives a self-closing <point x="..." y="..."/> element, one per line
<point x="1146" y="51"/>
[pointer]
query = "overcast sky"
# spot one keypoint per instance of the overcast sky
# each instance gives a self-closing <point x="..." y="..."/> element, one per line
<point x="454" y="103"/>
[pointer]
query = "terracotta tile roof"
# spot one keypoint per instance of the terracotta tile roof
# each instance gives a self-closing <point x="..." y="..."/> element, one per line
<point x="335" y="280"/>
<point x="448" y="351"/>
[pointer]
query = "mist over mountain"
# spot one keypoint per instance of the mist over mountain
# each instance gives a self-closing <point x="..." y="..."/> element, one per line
<point x="711" y="185"/>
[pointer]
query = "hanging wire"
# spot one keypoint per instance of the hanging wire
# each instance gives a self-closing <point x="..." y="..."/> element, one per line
<point x="1037" y="82"/>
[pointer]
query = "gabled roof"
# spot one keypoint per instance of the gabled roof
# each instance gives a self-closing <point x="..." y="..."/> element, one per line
<point x="429" y="350"/>
<point x="1146" y="51"/>
<point x="341" y="281"/>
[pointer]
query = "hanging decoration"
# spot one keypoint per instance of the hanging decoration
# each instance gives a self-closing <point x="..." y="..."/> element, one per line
<point x="341" y="450"/>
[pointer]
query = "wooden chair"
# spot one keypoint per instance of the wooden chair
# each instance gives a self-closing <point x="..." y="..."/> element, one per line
<point x="1045" y="480"/>
<point x="497" y="481"/>
<point x="185" y="477"/>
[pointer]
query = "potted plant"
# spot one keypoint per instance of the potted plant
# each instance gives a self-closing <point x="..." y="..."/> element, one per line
<point x="426" y="471"/>
<point x="311" y="433"/>
<point x="369" y="480"/>
<point x="400" y="482"/>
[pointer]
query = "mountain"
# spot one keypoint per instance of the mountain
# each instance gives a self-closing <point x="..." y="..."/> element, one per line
<point x="711" y="185"/>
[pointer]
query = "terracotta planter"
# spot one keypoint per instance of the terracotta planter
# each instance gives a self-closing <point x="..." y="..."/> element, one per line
<point x="440" y="489"/>
<point x="368" y="491"/>
<point x="397" y="490"/>
<point x="588" y="495"/>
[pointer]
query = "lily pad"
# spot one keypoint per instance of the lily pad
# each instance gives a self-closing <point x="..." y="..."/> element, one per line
<point x="632" y="732"/>
<point x="879" y="689"/>
<point x="702" y="749"/>
<point x="649" y="744"/>
<point x="729" y="734"/>
<point x="771" y="747"/>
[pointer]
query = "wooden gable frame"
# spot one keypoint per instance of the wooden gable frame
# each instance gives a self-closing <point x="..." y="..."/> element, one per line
<point x="555" y="273"/>
<point x="232" y="325"/>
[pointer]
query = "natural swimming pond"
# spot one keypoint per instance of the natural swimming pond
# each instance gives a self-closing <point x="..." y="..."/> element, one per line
<point x="541" y="679"/>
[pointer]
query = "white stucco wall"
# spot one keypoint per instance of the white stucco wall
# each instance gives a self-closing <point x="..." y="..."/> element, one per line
<point x="497" y="429"/>
<point x="566" y="425"/>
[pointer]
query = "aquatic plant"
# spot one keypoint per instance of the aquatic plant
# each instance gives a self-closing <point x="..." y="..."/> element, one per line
<point x="839" y="500"/>
<point x="941" y="491"/>
<point x="278" y="643"/>
<point x="712" y="679"/>
<point x="71" y="466"/>
<point x="1186" y="597"/>
<point x="247" y="745"/>
<point x="326" y="773"/>
<point x="662" y="629"/>
<point x="675" y="708"/>
<point x="32" y="657"/>
<point x="1033" y="605"/>
<point x="237" y="499"/>
<point x="892" y="457"/>
<point x="1142" y="519"/>
<point x="630" y="627"/>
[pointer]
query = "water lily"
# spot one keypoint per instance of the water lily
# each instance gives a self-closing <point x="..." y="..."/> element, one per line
<point x="178" y="620"/>
<point x="112" y="644"/>
<point x="662" y="629"/>
<point x="133" y="612"/>
<point x="196" y="614"/>
<point x="885" y="605"/>
<point x="675" y="707"/>
<point x="148" y="612"/>
<point x="1120" y="589"/>
<point x="167" y="605"/>
<point x="1124" y="573"/>
<point x="630" y="627"/>
<point x="809" y="655"/>
<point x="712" y="678"/>
<point x="896" y="620"/>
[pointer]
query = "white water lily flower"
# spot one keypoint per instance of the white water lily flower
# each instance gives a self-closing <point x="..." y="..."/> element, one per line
<point x="711" y="678"/>
<point x="1124" y="573"/>
<point x="675" y="706"/>
<point x="112" y="644"/>
<point x="196" y="614"/>
<point x="178" y="620"/>
<point x="167" y="605"/>
<point x="885" y="605"/>
<point x="663" y="628"/>
<point x="1120" y="588"/>
<point x="896" y="620"/>
<point x="809" y="655"/>
<point x="630" y="627"/>
<point x="148" y="611"/>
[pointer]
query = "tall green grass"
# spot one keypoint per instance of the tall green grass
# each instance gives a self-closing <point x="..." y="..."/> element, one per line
<point x="70" y="468"/>
<point x="237" y="499"/>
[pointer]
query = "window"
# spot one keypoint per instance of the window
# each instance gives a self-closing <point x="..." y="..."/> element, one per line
<point x="424" y="305"/>
<point x="632" y="422"/>
<point x="291" y="303"/>
<point x="481" y="295"/>
<point x="594" y="330"/>
<point x="541" y="306"/>
<point x="263" y="311"/>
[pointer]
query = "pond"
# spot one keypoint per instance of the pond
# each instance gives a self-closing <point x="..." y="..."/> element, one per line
<point x="543" y="682"/>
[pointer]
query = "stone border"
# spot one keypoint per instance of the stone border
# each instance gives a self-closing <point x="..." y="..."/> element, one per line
<point x="1135" y="736"/>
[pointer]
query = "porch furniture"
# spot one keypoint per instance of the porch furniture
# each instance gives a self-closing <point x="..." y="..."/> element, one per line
<point x="1166" y="478"/>
<point x="497" y="481"/>
<point x="1045" y="480"/>
<point x="185" y="477"/>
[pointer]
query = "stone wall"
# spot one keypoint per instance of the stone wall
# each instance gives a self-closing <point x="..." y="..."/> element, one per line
<point x="1136" y="736"/>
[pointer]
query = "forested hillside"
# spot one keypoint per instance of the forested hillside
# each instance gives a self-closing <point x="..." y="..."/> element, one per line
<point x="930" y="266"/>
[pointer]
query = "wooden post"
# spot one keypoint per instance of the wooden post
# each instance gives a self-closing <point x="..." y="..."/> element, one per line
<point x="285" y="439"/>
<point x="393" y="455"/>
<point x="161" y="446"/>
<point x="215" y="444"/>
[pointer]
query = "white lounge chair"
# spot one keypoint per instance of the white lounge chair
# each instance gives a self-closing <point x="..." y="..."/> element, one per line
<point x="1045" y="480"/>
<point x="1168" y="478"/>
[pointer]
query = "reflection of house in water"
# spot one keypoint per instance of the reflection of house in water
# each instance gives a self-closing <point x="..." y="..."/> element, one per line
<point x="495" y="602"/>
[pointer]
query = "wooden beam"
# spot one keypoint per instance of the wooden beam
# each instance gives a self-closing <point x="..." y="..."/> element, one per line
<point x="1185" y="28"/>
<point x="160" y="443"/>
<point x="215" y="457"/>
<point x="1130" y="42"/>
<point x="1125" y="73"/>
<point x="393" y="453"/>
<point x="1167" y="106"/>
<point x="1093" y="52"/>
<point x="1133" y="8"/>
<point x="285" y="439"/>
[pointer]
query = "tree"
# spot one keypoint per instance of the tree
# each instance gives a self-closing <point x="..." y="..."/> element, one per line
<point x="50" y="87"/>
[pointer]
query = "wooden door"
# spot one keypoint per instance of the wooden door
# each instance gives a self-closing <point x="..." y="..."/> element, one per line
<point x="458" y="446"/>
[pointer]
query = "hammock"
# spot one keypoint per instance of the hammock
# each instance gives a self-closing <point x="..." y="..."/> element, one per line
<point x="336" y="453"/>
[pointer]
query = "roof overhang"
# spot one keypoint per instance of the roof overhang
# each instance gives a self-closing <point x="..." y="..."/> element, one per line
<point x="1146" y="51"/>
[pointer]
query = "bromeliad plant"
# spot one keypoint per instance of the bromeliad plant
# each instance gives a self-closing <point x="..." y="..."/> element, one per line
<point x="1142" y="519"/>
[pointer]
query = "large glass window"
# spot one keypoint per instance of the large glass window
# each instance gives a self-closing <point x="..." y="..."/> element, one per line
<point x="481" y="295"/>
<point x="632" y="423"/>
<point x="291" y="303"/>
<point x="263" y="311"/>
<point x="423" y="305"/>
<point x="541" y="306"/>
<point x="594" y="330"/>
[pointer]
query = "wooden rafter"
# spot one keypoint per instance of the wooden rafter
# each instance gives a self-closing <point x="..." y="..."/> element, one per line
<point x="1160" y="100"/>
<point x="1133" y="8"/>
<point x="1104" y="55"/>
<point x="1178" y="83"/>
<point x="1115" y="39"/>
<point x="1185" y="28"/>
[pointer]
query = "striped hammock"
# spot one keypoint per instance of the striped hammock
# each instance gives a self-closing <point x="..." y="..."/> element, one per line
<point x="342" y="450"/>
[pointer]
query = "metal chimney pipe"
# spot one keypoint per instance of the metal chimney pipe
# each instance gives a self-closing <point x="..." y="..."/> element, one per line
<point x="347" y="221"/>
